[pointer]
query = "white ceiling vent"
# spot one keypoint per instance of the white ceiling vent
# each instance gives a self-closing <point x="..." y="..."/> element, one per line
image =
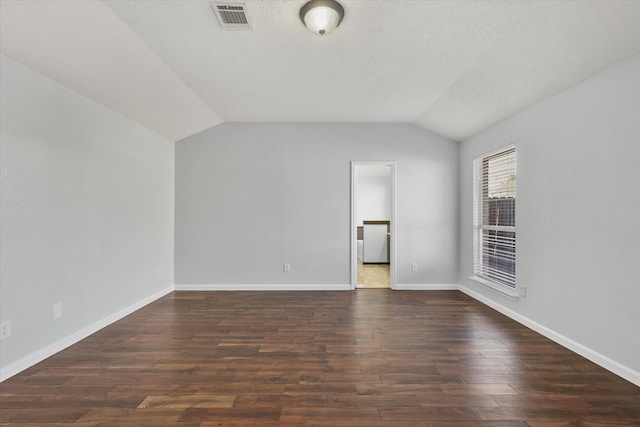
<point x="232" y="16"/>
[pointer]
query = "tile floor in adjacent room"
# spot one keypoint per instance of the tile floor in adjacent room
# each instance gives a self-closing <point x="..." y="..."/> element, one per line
<point x="373" y="276"/>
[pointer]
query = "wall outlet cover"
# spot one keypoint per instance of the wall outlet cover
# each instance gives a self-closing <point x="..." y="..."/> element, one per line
<point x="57" y="310"/>
<point x="5" y="329"/>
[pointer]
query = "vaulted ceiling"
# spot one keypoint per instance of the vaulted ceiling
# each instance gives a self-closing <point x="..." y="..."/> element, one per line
<point x="453" y="67"/>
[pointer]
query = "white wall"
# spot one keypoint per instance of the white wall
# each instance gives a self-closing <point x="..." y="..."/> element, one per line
<point x="86" y="215"/>
<point x="373" y="197"/>
<point x="250" y="197"/>
<point x="578" y="215"/>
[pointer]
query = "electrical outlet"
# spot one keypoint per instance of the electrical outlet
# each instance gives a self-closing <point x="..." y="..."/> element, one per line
<point x="523" y="291"/>
<point x="5" y="329"/>
<point x="57" y="310"/>
<point x="414" y="266"/>
<point x="286" y="267"/>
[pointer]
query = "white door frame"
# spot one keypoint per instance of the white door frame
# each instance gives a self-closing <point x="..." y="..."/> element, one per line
<point x="354" y="236"/>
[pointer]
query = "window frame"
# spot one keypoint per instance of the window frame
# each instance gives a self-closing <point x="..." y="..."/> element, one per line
<point x="479" y="227"/>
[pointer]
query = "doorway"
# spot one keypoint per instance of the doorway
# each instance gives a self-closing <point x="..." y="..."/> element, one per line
<point x="372" y="224"/>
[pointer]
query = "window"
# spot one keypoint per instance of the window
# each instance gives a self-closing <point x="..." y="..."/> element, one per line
<point x="494" y="211"/>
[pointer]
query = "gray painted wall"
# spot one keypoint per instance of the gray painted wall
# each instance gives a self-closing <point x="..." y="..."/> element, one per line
<point x="86" y="213"/>
<point x="578" y="212"/>
<point x="250" y="197"/>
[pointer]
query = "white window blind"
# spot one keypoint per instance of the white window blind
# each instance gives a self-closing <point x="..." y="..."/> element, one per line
<point x="495" y="217"/>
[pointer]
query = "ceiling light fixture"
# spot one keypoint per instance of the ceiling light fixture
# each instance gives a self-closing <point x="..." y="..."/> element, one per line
<point x="322" y="16"/>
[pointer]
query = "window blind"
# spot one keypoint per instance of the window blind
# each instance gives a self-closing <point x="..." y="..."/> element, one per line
<point x="495" y="217"/>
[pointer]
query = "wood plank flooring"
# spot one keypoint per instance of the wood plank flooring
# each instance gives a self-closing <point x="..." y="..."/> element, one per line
<point x="364" y="358"/>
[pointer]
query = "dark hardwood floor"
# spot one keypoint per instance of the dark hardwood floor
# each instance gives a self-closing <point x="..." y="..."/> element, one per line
<point x="364" y="358"/>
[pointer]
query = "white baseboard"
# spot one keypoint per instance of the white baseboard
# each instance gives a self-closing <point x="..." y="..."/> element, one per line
<point x="597" y="358"/>
<point x="425" y="287"/>
<point x="262" y="287"/>
<point x="38" y="356"/>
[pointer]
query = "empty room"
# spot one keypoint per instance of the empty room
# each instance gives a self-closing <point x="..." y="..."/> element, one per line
<point x="320" y="213"/>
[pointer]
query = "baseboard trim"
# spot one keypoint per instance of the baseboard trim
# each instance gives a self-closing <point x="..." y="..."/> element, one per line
<point x="425" y="287"/>
<point x="262" y="287"/>
<point x="617" y="368"/>
<point x="38" y="356"/>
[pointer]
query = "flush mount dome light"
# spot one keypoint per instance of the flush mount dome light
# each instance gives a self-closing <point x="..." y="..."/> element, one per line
<point x="322" y="16"/>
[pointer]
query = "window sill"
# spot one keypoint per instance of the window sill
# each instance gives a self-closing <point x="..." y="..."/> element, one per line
<point x="502" y="290"/>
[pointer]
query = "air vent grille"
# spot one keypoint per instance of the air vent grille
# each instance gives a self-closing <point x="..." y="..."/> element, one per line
<point x="232" y="16"/>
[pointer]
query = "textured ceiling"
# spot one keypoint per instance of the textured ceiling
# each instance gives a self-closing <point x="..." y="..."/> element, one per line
<point x="453" y="67"/>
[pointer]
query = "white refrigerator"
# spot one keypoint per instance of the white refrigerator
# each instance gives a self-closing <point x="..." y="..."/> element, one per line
<point x="375" y="243"/>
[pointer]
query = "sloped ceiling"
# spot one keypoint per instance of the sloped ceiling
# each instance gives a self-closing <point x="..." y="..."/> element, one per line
<point x="453" y="67"/>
